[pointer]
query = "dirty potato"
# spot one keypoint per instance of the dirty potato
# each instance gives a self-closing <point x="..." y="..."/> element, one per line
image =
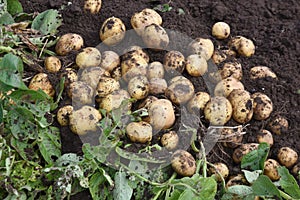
<point x="198" y="102"/>
<point x="183" y="163"/>
<point x="258" y="72"/>
<point x="155" y="37"/>
<point x="89" y="57"/>
<point x="221" y="30"/>
<point x="52" y="64"/>
<point x="174" y="62"/>
<point x="112" y="31"/>
<point x="196" y="65"/>
<point x="287" y="156"/>
<point x="278" y="125"/>
<point x="203" y="47"/>
<point x="110" y="60"/>
<point x="41" y="81"/>
<point x="242" y="150"/>
<point x="92" y="6"/>
<point x="262" y="106"/>
<point x="67" y="43"/>
<point x="140" y="132"/>
<point x="232" y="69"/>
<point x="227" y="85"/>
<point x="218" y="110"/>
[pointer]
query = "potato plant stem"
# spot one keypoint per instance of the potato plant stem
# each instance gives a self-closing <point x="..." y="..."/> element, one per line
<point x="285" y="195"/>
<point x="204" y="160"/>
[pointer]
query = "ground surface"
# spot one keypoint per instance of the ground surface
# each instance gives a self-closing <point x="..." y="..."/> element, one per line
<point x="273" y="25"/>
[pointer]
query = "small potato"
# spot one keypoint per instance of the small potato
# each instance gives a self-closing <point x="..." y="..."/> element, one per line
<point x="296" y="171"/>
<point x="262" y="72"/>
<point x="221" y="30"/>
<point x="218" y="56"/>
<point x="243" y="150"/>
<point x="89" y="57"/>
<point x="169" y="140"/>
<point x="279" y="125"/>
<point x="84" y="120"/>
<point x="232" y="69"/>
<point x="106" y="86"/>
<point x="144" y="18"/>
<point x="265" y="136"/>
<point x="110" y="60"/>
<point x="92" y="6"/>
<point x="227" y="85"/>
<point x="198" y="102"/>
<point x="174" y="62"/>
<point x="140" y="132"/>
<point x="63" y="115"/>
<point x="270" y="169"/>
<point x="242" y="105"/>
<point x="92" y="76"/>
<point x="81" y="93"/>
<point x="155" y="37"/>
<point x="157" y="86"/>
<point x="219" y="169"/>
<point x="287" y="156"/>
<point x="161" y="114"/>
<point x="70" y="76"/>
<point x="203" y="47"/>
<point x="196" y="65"/>
<point x="262" y="106"/>
<point x="236" y="180"/>
<point x="147" y="102"/>
<point x="183" y="163"/>
<point x="67" y="43"/>
<point x="155" y="70"/>
<point x="112" y="31"/>
<point x="114" y="100"/>
<point x="242" y="45"/>
<point x="138" y="87"/>
<point x="218" y="110"/>
<point x="230" y="137"/>
<point x="41" y="81"/>
<point x="52" y="64"/>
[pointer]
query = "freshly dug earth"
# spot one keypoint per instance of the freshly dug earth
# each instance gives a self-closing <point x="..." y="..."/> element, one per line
<point x="273" y="25"/>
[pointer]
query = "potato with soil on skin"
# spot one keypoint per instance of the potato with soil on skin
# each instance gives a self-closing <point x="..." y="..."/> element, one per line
<point x="219" y="169"/>
<point x="116" y="73"/>
<point x="155" y="37"/>
<point x="161" y="114"/>
<point x="242" y="150"/>
<point x="287" y="156"/>
<point x="183" y="163"/>
<point x="262" y="106"/>
<point x="221" y="30"/>
<point x="203" y="47"/>
<point x="88" y="57"/>
<point x="227" y="85"/>
<point x="180" y="91"/>
<point x="278" y="125"/>
<point x="198" y="102"/>
<point x="242" y="105"/>
<point x="147" y="102"/>
<point x="232" y="69"/>
<point x="70" y="76"/>
<point x="238" y="179"/>
<point x="67" y="43"/>
<point x="270" y="169"/>
<point x="81" y="93"/>
<point x="63" y="115"/>
<point x="41" y="81"/>
<point x="52" y="64"/>
<point x="106" y="86"/>
<point x="84" y="120"/>
<point x="242" y="45"/>
<point x="144" y="18"/>
<point x="114" y="100"/>
<point x="112" y="31"/>
<point x="196" y="65"/>
<point x="157" y="86"/>
<point x="169" y="140"/>
<point x="110" y="60"/>
<point x="140" y="132"/>
<point x="231" y="137"/>
<point x="138" y="87"/>
<point x="218" y="56"/>
<point x="92" y="6"/>
<point x="135" y="50"/>
<point x="92" y="75"/>
<point x="218" y="111"/>
<point x="174" y="62"/>
<point x="258" y="72"/>
<point x="265" y="136"/>
<point x="296" y="171"/>
<point x="155" y="70"/>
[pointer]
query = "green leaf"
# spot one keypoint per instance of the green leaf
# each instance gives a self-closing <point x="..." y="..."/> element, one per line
<point x="288" y="183"/>
<point x="6" y="19"/>
<point x="188" y="194"/>
<point x="240" y="190"/>
<point x="1" y="116"/>
<point x="252" y="176"/>
<point x="122" y="190"/>
<point x="263" y="186"/>
<point x="96" y="184"/>
<point x="11" y="70"/>
<point x="14" y="7"/>
<point x="47" y="22"/>
<point x="255" y="159"/>
<point x="174" y="195"/>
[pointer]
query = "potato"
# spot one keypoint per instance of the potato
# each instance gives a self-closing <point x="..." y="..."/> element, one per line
<point x="203" y="47"/>
<point x="89" y="57"/>
<point x="161" y="114"/>
<point x="227" y="85"/>
<point x="147" y="102"/>
<point x="140" y="132"/>
<point x="135" y="51"/>
<point x="183" y="163"/>
<point x="220" y="30"/>
<point x="81" y="93"/>
<point x="174" y="62"/>
<point x="63" y="115"/>
<point x="242" y="45"/>
<point x="138" y="87"/>
<point x="230" y="137"/>
<point x="270" y="169"/>
<point x="229" y="52"/>
<point x="92" y="76"/>
<point x="218" y="56"/>
<point x="232" y="69"/>
<point x="242" y="105"/>
<point x="112" y="31"/>
<point x="219" y="169"/>
<point x="52" y="64"/>
<point x="181" y="91"/>
<point x="41" y="81"/>
<point x="198" y="102"/>
<point x="67" y="43"/>
<point x="218" y="111"/>
<point x="278" y="125"/>
<point x="84" y="120"/>
<point x="169" y="140"/>
<point x="262" y="106"/>
<point x="243" y="150"/>
<point x="157" y="86"/>
<point x="70" y="76"/>
<point x="258" y="72"/>
<point x="110" y="60"/>
<point x="155" y="70"/>
<point x="116" y="73"/>
<point x="236" y="180"/>
<point x="296" y="170"/>
<point x="287" y="156"/>
<point x="92" y="6"/>
<point x="114" y="100"/>
<point x="265" y="136"/>
<point x="106" y="86"/>
<point x="155" y="37"/>
<point x="144" y="18"/>
<point x="196" y="65"/>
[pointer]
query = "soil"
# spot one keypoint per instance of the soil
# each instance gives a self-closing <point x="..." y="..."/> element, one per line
<point x="273" y="25"/>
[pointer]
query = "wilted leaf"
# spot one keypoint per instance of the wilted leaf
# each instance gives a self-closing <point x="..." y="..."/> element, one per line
<point x="251" y="176"/>
<point x="122" y="189"/>
<point x="47" y="22"/>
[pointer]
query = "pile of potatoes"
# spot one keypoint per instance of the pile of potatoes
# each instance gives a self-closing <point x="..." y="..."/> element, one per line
<point x="103" y="80"/>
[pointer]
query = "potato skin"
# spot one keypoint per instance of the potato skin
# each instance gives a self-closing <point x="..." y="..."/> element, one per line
<point x="270" y="169"/>
<point x="232" y="69"/>
<point x="198" y="102"/>
<point x="155" y="37"/>
<point x="259" y="72"/>
<point x="262" y="106"/>
<point x="140" y="132"/>
<point x="227" y="85"/>
<point x="112" y="31"/>
<point x="183" y="163"/>
<point x="114" y="100"/>
<point x="106" y="86"/>
<point x="231" y="138"/>
<point x="41" y="81"/>
<point x="92" y="6"/>
<point x="221" y="30"/>
<point x="155" y="70"/>
<point x="287" y="156"/>
<point x="110" y="60"/>
<point x="242" y="45"/>
<point x="278" y="125"/>
<point x="63" y="115"/>
<point x="203" y="47"/>
<point x="174" y="62"/>
<point x="196" y="65"/>
<point x="236" y="180"/>
<point x="70" y="76"/>
<point x="52" y="64"/>
<point x="296" y="171"/>
<point x="81" y="93"/>
<point x="92" y="75"/>
<point x="265" y="136"/>
<point x="89" y="57"/>
<point x="169" y="140"/>
<point x="138" y="87"/>
<point x="67" y="43"/>
<point x="243" y="150"/>
<point x="218" y="111"/>
<point x="221" y="168"/>
<point x="157" y="86"/>
<point x="218" y="56"/>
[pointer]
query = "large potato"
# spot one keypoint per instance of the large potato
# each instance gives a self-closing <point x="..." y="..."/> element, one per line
<point x="155" y="70"/>
<point x="52" y="64"/>
<point x="287" y="156"/>
<point x="262" y="106"/>
<point x="157" y="86"/>
<point x="196" y="65"/>
<point x="89" y="57"/>
<point x="203" y="47"/>
<point x="155" y="37"/>
<point x="218" y="110"/>
<point x="174" y="62"/>
<point x="41" y="81"/>
<point x="183" y="163"/>
<point x="278" y="125"/>
<point x="221" y="30"/>
<point x="110" y="60"/>
<point x="114" y="100"/>
<point x="92" y="6"/>
<point x="242" y="150"/>
<point x="140" y="132"/>
<point x="262" y="72"/>
<point x="198" y="102"/>
<point x="138" y="87"/>
<point x="81" y="93"/>
<point x="270" y="169"/>
<point x="92" y="76"/>
<point x="232" y="69"/>
<point x="106" y="86"/>
<point x="112" y="31"/>
<point x="227" y="85"/>
<point x="67" y="43"/>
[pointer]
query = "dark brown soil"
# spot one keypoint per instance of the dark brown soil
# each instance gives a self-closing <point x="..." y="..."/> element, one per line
<point x="273" y="25"/>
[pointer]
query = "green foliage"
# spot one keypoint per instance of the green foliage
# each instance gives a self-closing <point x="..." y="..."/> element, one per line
<point x="122" y="189"/>
<point x="14" y="7"/>
<point x="47" y="22"/>
<point x="163" y="7"/>
<point x="288" y="183"/>
<point x="255" y="159"/>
